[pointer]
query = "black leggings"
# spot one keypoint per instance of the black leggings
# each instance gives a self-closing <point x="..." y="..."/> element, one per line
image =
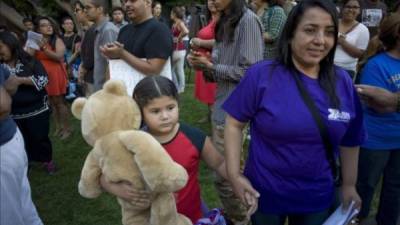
<point x="35" y="131"/>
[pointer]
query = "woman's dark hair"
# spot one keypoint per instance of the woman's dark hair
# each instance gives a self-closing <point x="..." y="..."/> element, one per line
<point x="177" y="10"/>
<point x="152" y="87"/>
<point x="386" y="40"/>
<point x="389" y="31"/>
<point x="53" y="37"/>
<point x="17" y="52"/>
<point x="225" y="28"/>
<point x="327" y="76"/>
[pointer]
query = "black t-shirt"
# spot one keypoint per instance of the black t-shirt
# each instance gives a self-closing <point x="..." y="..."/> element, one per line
<point x="71" y="41"/>
<point x="29" y="100"/>
<point x="150" y="39"/>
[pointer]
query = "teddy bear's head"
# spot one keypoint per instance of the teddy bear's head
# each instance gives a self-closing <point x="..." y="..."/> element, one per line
<point x="106" y="111"/>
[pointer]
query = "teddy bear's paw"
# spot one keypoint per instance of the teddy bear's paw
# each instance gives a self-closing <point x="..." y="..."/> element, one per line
<point x="89" y="191"/>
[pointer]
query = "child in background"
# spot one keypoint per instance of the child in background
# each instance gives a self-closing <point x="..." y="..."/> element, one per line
<point x="157" y="98"/>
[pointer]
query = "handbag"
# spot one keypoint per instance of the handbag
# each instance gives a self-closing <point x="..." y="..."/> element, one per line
<point x="323" y="130"/>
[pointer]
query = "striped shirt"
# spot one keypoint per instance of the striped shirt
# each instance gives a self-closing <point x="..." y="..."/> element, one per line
<point x="231" y="59"/>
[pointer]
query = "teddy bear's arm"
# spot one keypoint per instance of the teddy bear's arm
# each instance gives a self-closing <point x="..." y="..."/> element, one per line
<point x="89" y="184"/>
<point x="159" y="171"/>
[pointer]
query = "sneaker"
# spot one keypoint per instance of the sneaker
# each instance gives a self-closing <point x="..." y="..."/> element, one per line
<point x="50" y="167"/>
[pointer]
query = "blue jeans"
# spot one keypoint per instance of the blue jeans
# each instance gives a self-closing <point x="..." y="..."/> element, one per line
<point x="317" y="218"/>
<point x="372" y="165"/>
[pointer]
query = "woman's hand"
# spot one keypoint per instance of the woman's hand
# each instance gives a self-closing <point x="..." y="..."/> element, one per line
<point x="195" y="43"/>
<point x="341" y="38"/>
<point x="199" y="61"/>
<point x="350" y="194"/>
<point x="12" y="84"/>
<point x="112" y="50"/>
<point x="140" y="199"/>
<point x="42" y="43"/>
<point x="246" y="193"/>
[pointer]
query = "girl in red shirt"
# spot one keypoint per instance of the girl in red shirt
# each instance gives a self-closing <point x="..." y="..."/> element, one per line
<point x="157" y="98"/>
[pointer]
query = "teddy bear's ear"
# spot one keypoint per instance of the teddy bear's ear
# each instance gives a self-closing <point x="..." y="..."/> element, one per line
<point x="77" y="107"/>
<point x="116" y="87"/>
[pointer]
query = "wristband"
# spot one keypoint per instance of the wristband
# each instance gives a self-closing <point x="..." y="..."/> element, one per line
<point x="398" y="103"/>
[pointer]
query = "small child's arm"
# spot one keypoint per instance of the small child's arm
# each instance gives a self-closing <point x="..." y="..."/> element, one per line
<point x="213" y="158"/>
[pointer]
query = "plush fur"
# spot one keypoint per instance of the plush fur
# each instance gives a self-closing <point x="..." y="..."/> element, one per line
<point x="121" y="152"/>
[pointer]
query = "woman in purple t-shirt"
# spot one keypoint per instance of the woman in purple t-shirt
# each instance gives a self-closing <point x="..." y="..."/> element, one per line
<point x="287" y="171"/>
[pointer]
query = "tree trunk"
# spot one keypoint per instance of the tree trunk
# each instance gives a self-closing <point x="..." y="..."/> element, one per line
<point x="11" y="15"/>
<point x="115" y="3"/>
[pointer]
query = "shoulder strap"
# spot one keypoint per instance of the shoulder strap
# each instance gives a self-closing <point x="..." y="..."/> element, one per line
<point x="352" y="28"/>
<point x="323" y="130"/>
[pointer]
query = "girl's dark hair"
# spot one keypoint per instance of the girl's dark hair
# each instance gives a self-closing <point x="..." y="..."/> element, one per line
<point x="17" y="53"/>
<point x="152" y="87"/>
<point x="53" y="37"/>
<point x="225" y="28"/>
<point x="327" y="76"/>
<point x="178" y="12"/>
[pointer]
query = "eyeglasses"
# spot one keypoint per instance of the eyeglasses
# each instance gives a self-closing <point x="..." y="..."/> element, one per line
<point x="351" y="7"/>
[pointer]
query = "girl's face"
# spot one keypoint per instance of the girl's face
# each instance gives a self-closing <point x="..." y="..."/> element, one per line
<point x="351" y="10"/>
<point x="313" y="38"/>
<point x="161" y="115"/>
<point x="5" y="52"/>
<point x="45" y="27"/>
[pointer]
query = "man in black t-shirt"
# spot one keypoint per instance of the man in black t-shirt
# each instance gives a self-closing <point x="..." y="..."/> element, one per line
<point x="145" y="44"/>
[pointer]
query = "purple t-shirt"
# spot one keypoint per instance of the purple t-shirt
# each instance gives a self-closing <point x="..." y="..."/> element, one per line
<point x="287" y="162"/>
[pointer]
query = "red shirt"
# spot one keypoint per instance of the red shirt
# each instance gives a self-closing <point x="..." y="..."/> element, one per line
<point x="185" y="149"/>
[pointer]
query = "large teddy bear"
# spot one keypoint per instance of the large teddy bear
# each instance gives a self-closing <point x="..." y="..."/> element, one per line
<point x="121" y="152"/>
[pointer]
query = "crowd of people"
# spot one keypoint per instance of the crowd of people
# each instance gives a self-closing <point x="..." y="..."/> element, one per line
<point x="314" y="86"/>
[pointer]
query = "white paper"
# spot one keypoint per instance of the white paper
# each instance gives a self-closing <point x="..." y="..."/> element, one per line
<point x="120" y="70"/>
<point x="340" y="217"/>
<point x="33" y="40"/>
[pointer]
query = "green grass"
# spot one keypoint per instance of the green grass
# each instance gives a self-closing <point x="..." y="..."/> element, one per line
<point x="57" y="198"/>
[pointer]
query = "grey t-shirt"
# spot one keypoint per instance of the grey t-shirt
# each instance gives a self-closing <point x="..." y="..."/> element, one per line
<point x="372" y="14"/>
<point x="106" y="32"/>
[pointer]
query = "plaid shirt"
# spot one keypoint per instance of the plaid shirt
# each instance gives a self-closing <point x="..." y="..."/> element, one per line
<point x="273" y="21"/>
